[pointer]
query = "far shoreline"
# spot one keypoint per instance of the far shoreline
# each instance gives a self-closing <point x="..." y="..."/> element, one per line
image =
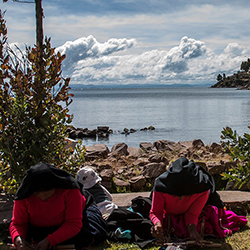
<point x="127" y="86"/>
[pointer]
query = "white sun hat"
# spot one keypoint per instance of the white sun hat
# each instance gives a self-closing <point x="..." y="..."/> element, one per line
<point x="88" y="177"/>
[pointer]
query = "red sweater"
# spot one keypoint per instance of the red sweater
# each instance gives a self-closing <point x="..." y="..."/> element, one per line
<point x="63" y="209"/>
<point x="164" y="204"/>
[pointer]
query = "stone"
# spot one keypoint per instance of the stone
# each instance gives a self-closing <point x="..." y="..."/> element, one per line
<point x="137" y="183"/>
<point x="154" y="169"/>
<point x="215" y="167"/>
<point x="97" y="151"/>
<point x="133" y="152"/>
<point x="90" y="133"/>
<point x="101" y="166"/>
<point x="119" y="149"/>
<point x="107" y="175"/>
<point x="237" y="201"/>
<point x="132" y="130"/>
<point x="215" y="148"/>
<point x="140" y="162"/>
<point x="146" y="145"/>
<point x="186" y="144"/>
<point x="103" y="129"/>
<point x="167" y="145"/>
<point x="158" y="158"/>
<point x="121" y="185"/>
<point x="151" y="128"/>
<point x="197" y="143"/>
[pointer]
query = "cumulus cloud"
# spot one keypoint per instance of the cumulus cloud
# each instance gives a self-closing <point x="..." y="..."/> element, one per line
<point x="176" y="59"/>
<point x="88" y="47"/>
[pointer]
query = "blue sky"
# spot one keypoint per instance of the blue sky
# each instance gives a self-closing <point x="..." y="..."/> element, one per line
<point x="139" y="41"/>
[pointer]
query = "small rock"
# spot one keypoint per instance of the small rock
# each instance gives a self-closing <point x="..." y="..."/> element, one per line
<point x="107" y="175"/>
<point x="120" y="184"/>
<point x="146" y="145"/>
<point x="198" y="143"/>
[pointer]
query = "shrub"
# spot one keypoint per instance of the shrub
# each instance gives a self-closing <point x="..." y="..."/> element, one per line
<point x="34" y="100"/>
<point x="239" y="148"/>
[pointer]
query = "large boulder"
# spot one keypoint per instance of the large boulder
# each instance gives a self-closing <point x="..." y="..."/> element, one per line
<point x="97" y="151"/>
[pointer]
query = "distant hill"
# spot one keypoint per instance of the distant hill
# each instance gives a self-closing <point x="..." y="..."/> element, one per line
<point x="123" y="86"/>
<point x="240" y="80"/>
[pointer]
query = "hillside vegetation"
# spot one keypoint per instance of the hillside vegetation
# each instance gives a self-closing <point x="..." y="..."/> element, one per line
<point x="239" y="80"/>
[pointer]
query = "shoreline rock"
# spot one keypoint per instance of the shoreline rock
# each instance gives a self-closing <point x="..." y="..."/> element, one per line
<point x="135" y="169"/>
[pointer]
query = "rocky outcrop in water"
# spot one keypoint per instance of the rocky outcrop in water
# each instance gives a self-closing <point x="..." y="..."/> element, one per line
<point x="99" y="132"/>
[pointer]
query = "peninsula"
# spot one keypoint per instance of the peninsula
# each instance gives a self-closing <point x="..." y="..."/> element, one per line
<point x="239" y="80"/>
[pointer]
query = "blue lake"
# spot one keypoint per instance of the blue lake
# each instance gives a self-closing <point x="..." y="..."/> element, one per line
<point x="178" y="114"/>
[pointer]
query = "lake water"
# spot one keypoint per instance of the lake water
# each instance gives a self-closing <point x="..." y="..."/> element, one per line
<point x="178" y="114"/>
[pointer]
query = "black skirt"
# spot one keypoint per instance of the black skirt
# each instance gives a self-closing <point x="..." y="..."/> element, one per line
<point x="93" y="232"/>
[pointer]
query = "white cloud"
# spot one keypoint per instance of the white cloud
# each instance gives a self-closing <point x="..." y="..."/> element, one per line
<point x="87" y="47"/>
<point x="176" y="59"/>
<point x="189" y="62"/>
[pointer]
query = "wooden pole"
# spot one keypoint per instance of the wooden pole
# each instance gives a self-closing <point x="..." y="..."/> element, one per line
<point x="39" y="23"/>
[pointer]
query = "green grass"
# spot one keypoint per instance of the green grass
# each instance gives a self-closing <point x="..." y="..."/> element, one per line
<point x="238" y="241"/>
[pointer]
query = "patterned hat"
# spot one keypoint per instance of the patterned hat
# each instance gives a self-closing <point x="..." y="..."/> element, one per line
<point x="88" y="177"/>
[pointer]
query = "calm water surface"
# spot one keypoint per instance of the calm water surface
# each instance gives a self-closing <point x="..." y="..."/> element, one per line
<point x="178" y="114"/>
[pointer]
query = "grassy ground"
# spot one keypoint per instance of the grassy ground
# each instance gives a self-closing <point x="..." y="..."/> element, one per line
<point x="238" y="241"/>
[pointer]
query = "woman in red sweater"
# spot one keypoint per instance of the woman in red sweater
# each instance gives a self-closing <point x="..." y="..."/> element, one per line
<point x="49" y="209"/>
<point x="182" y="190"/>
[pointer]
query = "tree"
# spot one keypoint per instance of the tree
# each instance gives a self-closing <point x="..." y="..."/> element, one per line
<point x="245" y="65"/>
<point x="219" y="78"/>
<point x="34" y="111"/>
<point x="239" y="148"/>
